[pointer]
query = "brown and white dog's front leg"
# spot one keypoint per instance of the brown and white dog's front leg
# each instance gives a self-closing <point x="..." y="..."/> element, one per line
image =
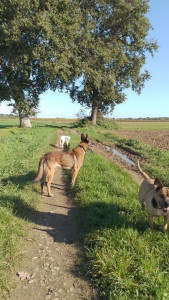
<point x="164" y="226"/>
<point x="150" y="221"/>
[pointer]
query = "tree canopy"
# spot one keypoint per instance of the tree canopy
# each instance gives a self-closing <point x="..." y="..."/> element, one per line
<point x="113" y="50"/>
<point x="49" y="44"/>
<point x="37" y="49"/>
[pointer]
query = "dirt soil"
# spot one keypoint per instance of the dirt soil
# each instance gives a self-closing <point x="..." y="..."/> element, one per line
<point x="53" y="266"/>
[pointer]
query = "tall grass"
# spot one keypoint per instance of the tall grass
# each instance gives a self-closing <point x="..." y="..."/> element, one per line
<point x="20" y="151"/>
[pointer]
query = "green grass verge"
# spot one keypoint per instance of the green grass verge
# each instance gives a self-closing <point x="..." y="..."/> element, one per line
<point x="125" y="258"/>
<point x="19" y="155"/>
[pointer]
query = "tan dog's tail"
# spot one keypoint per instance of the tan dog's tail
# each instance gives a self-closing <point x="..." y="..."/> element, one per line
<point x="143" y="173"/>
<point x="40" y="169"/>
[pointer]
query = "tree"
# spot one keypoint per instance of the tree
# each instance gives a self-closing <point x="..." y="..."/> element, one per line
<point x="37" y="50"/>
<point x="81" y="114"/>
<point x="113" y="50"/>
<point x="24" y="109"/>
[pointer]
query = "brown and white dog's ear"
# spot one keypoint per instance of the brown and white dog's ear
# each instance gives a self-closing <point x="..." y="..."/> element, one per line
<point x="158" y="184"/>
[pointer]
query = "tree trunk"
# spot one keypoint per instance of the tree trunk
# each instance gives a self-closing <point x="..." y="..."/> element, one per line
<point x="94" y="114"/>
<point x="24" y="121"/>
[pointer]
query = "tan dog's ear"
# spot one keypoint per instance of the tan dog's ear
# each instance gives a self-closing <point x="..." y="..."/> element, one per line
<point x="158" y="184"/>
<point x="82" y="137"/>
<point x="87" y="139"/>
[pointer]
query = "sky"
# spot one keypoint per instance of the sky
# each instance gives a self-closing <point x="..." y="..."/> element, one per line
<point x="154" y="98"/>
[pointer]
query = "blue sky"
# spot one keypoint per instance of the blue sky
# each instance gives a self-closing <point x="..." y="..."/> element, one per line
<point x="154" y="98"/>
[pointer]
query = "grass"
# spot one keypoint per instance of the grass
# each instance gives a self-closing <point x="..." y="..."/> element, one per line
<point x="19" y="153"/>
<point x="156" y="160"/>
<point x="125" y="259"/>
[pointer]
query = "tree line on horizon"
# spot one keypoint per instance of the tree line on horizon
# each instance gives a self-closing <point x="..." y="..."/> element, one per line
<point x="93" y="50"/>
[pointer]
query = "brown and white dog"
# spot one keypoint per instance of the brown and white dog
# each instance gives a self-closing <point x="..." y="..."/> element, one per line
<point x="155" y="197"/>
<point x="72" y="159"/>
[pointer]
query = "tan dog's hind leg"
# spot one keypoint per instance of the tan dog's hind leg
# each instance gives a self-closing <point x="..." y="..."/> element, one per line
<point x="50" y="178"/>
<point x="42" y="184"/>
<point x="43" y="179"/>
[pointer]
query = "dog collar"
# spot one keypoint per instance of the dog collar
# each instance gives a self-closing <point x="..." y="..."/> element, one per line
<point x="82" y="147"/>
<point x="154" y="203"/>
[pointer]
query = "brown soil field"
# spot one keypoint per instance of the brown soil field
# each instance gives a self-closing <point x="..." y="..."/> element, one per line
<point x="155" y="138"/>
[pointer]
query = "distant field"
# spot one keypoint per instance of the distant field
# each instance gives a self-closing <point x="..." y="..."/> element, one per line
<point x="143" y="125"/>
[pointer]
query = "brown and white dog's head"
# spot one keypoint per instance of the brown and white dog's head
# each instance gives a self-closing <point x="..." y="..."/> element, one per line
<point x="161" y="195"/>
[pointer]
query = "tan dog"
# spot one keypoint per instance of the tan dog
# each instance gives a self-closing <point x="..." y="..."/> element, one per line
<point x="72" y="159"/>
<point x="155" y="197"/>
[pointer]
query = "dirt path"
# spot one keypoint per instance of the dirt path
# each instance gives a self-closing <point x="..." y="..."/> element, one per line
<point x="53" y="266"/>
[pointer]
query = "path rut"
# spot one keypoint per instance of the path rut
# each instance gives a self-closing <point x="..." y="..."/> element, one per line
<point x="53" y="266"/>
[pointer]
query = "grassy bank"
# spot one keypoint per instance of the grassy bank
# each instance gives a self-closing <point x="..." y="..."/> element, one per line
<point x="19" y="154"/>
<point x="125" y="259"/>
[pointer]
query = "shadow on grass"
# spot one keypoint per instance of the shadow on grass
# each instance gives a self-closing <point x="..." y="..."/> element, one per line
<point x="18" y="206"/>
<point x="64" y="127"/>
<point x="60" y="226"/>
<point x="94" y="215"/>
<point x="8" y="126"/>
<point x="20" y="180"/>
<point x="97" y="216"/>
<point x="66" y="148"/>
